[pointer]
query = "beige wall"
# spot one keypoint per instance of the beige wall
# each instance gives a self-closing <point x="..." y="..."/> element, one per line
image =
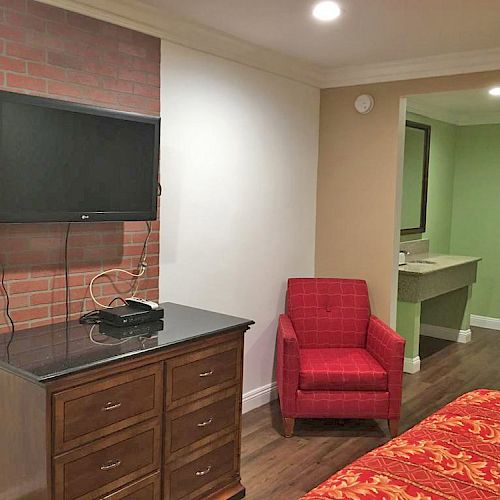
<point x="358" y="208"/>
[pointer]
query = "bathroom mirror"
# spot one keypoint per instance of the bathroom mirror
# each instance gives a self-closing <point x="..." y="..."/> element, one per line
<point x="415" y="175"/>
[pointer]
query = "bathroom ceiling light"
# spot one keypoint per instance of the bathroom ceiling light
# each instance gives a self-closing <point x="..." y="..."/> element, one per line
<point x="326" y="11"/>
<point x="495" y="91"/>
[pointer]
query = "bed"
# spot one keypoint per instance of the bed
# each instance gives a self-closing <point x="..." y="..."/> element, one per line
<point x="453" y="454"/>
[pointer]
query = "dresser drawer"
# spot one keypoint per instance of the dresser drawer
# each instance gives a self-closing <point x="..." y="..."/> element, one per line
<point x="144" y="489"/>
<point x="94" y="410"/>
<point x="204" y="372"/>
<point x="202" y="421"/>
<point x="97" y="469"/>
<point x="195" y="476"/>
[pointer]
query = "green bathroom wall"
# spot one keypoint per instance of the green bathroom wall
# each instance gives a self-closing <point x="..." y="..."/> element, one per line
<point x="463" y="207"/>
<point x="476" y="211"/>
<point x="440" y="190"/>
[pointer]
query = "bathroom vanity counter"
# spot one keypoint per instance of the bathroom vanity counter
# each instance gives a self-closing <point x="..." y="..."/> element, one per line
<point x="432" y="262"/>
<point x="428" y="275"/>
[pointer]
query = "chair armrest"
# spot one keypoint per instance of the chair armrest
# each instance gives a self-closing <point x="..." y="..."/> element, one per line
<point x="387" y="347"/>
<point x="287" y="366"/>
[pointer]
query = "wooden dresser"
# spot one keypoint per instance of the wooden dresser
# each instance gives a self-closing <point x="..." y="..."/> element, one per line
<point x="154" y="416"/>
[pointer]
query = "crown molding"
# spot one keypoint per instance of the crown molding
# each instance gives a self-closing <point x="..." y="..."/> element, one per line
<point x="148" y="19"/>
<point x="410" y="69"/>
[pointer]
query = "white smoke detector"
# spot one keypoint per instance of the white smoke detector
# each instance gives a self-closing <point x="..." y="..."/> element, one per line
<point x="364" y="103"/>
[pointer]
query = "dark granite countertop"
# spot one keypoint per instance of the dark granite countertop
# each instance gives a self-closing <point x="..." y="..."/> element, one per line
<point x="46" y="353"/>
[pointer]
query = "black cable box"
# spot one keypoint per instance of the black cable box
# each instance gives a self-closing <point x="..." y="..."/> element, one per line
<point x="145" y="330"/>
<point x="129" y="316"/>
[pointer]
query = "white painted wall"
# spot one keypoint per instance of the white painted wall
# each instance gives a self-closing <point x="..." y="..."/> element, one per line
<point x="238" y="167"/>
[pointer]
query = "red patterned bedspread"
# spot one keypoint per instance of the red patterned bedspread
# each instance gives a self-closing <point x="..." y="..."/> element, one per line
<point x="454" y="453"/>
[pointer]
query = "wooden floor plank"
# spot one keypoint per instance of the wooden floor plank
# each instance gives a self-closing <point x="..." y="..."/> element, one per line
<point x="276" y="468"/>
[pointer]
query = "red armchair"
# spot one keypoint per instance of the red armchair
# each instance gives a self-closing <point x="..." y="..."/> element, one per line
<point x="336" y="360"/>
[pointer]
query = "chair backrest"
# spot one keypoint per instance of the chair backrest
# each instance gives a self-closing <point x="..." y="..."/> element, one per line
<point x="329" y="312"/>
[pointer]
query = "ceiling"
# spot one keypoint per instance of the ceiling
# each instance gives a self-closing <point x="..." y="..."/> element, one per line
<point x="372" y="41"/>
<point x="369" y="31"/>
<point x="466" y="107"/>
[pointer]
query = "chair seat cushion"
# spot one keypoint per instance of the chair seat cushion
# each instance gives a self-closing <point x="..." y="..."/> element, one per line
<point x="340" y="369"/>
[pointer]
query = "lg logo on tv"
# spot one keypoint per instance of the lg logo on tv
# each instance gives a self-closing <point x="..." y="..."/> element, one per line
<point x="85" y="217"/>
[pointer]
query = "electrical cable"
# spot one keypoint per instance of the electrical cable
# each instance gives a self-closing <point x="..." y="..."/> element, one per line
<point x="104" y="306"/>
<point x="66" y="275"/>
<point x="93" y="317"/>
<point x="90" y="318"/>
<point x="141" y="269"/>
<point x="144" y="246"/>
<point x="7" y="310"/>
<point x="118" y="298"/>
<point x="143" y="259"/>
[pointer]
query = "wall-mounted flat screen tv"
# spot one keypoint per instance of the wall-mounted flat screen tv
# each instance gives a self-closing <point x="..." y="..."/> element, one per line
<point x="66" y="162"/>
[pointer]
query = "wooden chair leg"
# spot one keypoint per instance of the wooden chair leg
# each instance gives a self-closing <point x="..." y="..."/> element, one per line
<point x="288" y="425"/>
<point x="393" y="426"/>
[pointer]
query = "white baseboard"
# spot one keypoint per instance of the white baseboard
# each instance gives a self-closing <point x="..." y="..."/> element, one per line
<point x="260" y="396"/>
<point x="412" y="365"/>
<point x="444" y="333"/>
<point x="485" y="322"/>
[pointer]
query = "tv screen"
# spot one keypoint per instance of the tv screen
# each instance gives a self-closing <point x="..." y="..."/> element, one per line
<point x="68" y="162"/>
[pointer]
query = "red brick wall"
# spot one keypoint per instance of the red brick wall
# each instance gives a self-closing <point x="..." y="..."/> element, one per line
<point x="52" y="52"/>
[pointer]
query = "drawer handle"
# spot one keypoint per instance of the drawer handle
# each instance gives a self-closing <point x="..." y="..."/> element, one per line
<point x="206" y="374"/>
<point x="110" y="406"/>
<point x="207" y="422"/>
<point x="112" y="464"/>
<point x="203" y="472"/>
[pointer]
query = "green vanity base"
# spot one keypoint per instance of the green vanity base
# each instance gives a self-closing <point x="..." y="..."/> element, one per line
<point x="444" y="317"/>
<point x="447" y="316"/>
<point x="408" y="326"/>
<point x="434" y="295"/>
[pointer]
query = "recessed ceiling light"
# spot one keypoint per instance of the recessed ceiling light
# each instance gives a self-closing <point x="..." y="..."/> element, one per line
<point x="326" y="11"/>
<point x="495" y="91"/>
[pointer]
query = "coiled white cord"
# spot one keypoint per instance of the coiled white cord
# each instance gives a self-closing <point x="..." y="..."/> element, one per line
<point x="108" y="271"/>
<point x="142" y="269"/>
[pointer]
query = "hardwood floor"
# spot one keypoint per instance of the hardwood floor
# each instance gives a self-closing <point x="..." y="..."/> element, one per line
<point x="276" y="468"/>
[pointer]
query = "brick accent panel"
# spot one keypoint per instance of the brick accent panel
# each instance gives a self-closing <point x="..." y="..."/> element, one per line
<point x="56" y="53"/>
